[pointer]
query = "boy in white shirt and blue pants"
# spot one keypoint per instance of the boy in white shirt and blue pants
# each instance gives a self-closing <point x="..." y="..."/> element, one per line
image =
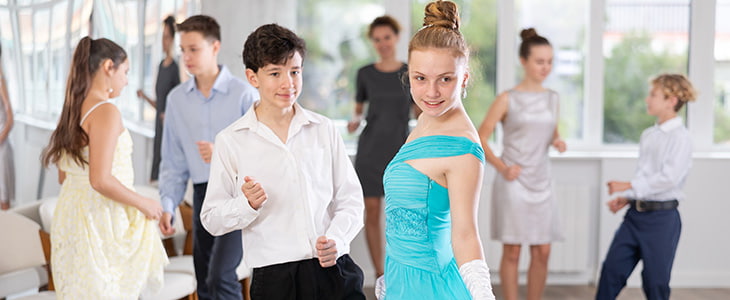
<point x="281" y="174"/>
<point x="652" y="225"/>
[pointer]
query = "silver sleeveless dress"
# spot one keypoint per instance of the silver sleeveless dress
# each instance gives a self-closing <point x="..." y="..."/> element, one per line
<point x="7" y="168"/>
<point x="524" y="210"/>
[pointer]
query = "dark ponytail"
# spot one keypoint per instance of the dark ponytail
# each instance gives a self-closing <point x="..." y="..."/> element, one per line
<point x="69" y="138"/>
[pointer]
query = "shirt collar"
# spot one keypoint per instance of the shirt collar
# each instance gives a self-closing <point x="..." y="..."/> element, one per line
<point x="221" y="81"/>
<point x="671" y="124"/>
<point x="250" y="121"/>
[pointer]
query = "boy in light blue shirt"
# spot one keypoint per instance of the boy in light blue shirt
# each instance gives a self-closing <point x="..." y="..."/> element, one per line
<point x="196" y="111"/>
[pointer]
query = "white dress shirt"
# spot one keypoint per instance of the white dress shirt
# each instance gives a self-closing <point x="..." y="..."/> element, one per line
<point x="312" y="189"/>
<point x="665" y="157"/>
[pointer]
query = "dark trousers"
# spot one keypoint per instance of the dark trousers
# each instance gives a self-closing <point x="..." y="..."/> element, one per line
<point x="307" y="280"/>
<point x="215" y="258"/>
<point x="651" y="237"/>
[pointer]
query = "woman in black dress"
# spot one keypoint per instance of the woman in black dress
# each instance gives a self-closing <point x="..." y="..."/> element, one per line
<point x="168" y="76"/>
<point x="389" y="104"/>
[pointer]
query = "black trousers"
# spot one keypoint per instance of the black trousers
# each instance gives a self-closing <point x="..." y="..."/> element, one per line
<point x="215" y="257"/>
<point x="307" y="280"/>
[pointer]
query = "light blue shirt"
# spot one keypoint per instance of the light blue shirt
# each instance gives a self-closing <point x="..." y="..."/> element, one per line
<point x="665" y="157"/>
<point x="191" y="117"/>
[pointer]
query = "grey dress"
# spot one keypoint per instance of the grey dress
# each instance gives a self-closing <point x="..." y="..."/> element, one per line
<point x="387" y="124"/>
<point x="524" y="210"/>
<point x="7" y="167"/>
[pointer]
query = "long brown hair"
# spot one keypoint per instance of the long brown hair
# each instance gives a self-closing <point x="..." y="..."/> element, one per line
<point x="69" y="138"/>
<point x="440" y="30"/>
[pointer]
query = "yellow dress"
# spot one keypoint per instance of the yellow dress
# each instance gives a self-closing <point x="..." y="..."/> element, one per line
<point x="103" y="249"/>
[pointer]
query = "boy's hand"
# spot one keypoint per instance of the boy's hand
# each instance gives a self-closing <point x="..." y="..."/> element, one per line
<point x="559" y="145"/>
<point x="617" y="204"/>
<point x="254" y="192"/>
<point x="618" y="186"/>
<point x="166" y="224"/>
<point x="511" y="172"/>
<point x="206" y="150"/>
<point x="326" y="251"/>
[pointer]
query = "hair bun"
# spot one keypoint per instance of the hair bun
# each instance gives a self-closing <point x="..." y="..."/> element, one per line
<point x="442" y="14"/>
<point x="528" y="33"/>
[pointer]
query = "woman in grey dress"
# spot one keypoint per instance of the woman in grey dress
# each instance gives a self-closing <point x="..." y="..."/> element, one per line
<point x="168" y="77"/>
<point x="7" y="168"/>
<point x="523" y="207"/>
<point x="381" y="85"/>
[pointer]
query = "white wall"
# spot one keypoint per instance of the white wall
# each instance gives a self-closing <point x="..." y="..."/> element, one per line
<point x="703" y="247"/>
<point x="244" y="19"/>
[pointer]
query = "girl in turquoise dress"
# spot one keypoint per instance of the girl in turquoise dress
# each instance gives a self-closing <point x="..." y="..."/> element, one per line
<point x="433" y="249"/>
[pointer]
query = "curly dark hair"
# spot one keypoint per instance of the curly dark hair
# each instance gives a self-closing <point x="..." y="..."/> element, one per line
<point x="271" y="44"/>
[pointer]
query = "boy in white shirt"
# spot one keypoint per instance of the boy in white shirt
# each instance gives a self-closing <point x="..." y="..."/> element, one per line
<point x="651" y="228"/>
<point x="282" y="175"/>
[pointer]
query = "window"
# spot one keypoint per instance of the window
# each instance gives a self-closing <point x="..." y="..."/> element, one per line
<point x="39" y="37"/>
<point x="567" y="36"/>
<point x="337" y="46"/>
<point x="722" y="73"/>
<point x="642" y="39"/>
<point x="479" y="27"/>
<point x="154" y="13"/>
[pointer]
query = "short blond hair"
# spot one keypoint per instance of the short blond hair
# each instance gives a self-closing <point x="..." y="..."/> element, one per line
<point x="676" y="85"/>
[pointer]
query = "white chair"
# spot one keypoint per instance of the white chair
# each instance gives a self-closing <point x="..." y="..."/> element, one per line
<point x="22" y="270"/>
<point x="176" y="285"/>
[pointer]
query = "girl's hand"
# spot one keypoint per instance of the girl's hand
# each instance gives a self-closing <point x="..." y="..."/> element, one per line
<point x="559" y="145"/>
<point x="512" y="172"/>
<point x="151" y="209"/>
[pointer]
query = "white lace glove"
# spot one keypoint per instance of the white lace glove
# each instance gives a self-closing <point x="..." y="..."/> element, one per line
<point x="380" y="287"/>
<point x="476" y="277"/>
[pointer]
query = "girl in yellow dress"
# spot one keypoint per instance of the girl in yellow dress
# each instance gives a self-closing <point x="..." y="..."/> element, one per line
<point x="104" y="238"/>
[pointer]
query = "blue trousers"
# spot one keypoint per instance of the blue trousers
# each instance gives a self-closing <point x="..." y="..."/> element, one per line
<point x="215" y="258"/>
<point x="651" y="237"/>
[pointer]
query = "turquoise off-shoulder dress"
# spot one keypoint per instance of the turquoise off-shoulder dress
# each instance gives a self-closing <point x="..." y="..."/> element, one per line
<point x="419" y="260"/>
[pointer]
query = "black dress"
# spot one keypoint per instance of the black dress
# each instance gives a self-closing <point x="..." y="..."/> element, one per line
<point x="387" y="124"/>
<point x="167" y="78"/>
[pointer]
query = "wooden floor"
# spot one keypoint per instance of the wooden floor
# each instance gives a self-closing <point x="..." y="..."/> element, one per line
<point x="583" y="292"/>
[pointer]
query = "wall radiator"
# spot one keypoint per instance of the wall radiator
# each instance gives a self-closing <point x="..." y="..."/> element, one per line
<point x="571" y="255"/>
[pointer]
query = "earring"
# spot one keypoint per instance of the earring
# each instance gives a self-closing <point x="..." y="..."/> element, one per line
<point x="110" y="90"/>
<point x="463" y="93"/>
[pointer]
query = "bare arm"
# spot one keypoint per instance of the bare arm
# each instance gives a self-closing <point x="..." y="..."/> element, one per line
<point x="496" y="113"/>
<point x="104" y="126"/>
<point x="61" y="176"/>
<point x="355" y="122"/>
<point x="464" y="178"/>
<point x="141" y="94"/>
<point x="5" y="131"/>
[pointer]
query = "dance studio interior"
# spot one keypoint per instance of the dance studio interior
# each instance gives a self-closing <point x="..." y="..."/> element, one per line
<point x="605" y="54"/>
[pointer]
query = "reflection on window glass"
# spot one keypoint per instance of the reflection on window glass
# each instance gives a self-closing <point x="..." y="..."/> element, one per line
<point x="479" y="27"/>
<point x="118" y="21"/>
<point x="36" y="60"/>
<point x="567" y="36"/>
<point x="722" y="73"/>
<point x="337" y="46"/>
<point x="41" y="52"/>
<point x="642" y="39"/>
